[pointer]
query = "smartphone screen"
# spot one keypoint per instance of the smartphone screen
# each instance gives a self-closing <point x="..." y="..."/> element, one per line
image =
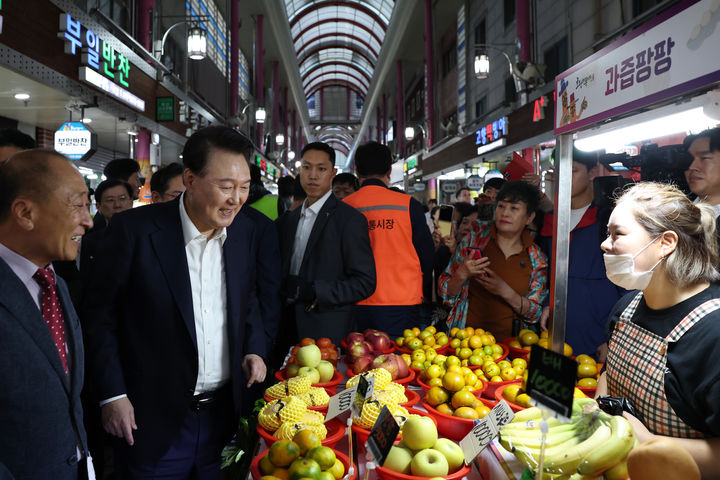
<point x="477" y="253"/>
<point x="445" y="228"/>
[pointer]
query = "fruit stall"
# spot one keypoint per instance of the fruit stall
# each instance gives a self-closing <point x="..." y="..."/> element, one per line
<point x="437" y="387"/>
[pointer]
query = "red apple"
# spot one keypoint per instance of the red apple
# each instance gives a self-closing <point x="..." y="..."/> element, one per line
<point x="403" y="370"/>
<point x="357" y="350"/>
<point x="388" y="363"/>
<point x="362" y="364"/>
<point x="379" y="341"/>
<point x="354" y="337"/>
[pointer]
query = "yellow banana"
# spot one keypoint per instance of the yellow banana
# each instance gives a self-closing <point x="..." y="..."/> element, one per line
<point x="611" y="452"/>
<point x="532" y="413"/>
<point x="535" y="432"/>
<point x="568" y="461"/>
<point x="618" y="472"/>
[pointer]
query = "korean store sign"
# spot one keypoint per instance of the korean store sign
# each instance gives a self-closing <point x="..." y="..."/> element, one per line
<point x="75" y="141"/>
<point x="110" y="70"/>
<point x="672" y="54"/>
<point x="491" y="136"/>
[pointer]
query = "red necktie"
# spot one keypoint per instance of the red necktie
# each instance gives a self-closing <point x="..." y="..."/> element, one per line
<point x="52" y="311"/>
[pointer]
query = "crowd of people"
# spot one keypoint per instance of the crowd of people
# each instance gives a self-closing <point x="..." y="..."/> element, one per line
<point x="157" y="325"/>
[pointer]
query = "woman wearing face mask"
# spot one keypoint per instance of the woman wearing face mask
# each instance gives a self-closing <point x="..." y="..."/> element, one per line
<point x="662" y="353"/>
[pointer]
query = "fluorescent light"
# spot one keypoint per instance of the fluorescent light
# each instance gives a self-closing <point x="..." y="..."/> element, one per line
<point x="298" y="163"/>
<point x="260" y="115"/>
<point x="279" y="139"/>
<point x="409" y="133"/>
<point x="492" y="146"/>
<point x="105" y="84"/>
<point x="92" y="176"/>
<point x="86" y="120"/>
<point x="22" y="96"/>
<point x="454" y="175"/>
<point x="481" y="66"/>
<point x="291" y="155"/>
<point x="614" y="140"/>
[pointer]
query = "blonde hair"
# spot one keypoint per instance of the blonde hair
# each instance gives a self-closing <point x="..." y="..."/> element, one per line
<point x="659" y="208"/>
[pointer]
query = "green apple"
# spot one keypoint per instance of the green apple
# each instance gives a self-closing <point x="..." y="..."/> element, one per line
<point x="326" y="370"/>
<point x="399" y="459"/>
<point x="451" y="451"/>
<point x="419" y="433"/>
<point x="429" y="463"/>
<point x="292" y="370"/>
<point x="308" y="356"/>
<point x="310" y="372"/>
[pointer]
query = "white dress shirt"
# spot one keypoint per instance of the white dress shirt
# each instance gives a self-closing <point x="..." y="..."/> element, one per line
<point x="24" y="269"/>
<point x="308" y="215"/>
<point x="206" y="267"/>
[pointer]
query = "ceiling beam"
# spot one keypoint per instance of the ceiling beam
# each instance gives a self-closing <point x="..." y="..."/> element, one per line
<point x="280" y="26"/>
<point x="386" y="61"/>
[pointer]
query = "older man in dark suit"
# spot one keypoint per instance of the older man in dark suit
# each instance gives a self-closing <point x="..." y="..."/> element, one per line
<point x="43" y="216"/>
<point x="174" y="331"/>
<point x="328" y="263"/>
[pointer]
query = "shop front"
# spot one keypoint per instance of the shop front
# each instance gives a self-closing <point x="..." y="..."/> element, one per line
<point x="76" y="72"/>
<point x="513" y="144"/>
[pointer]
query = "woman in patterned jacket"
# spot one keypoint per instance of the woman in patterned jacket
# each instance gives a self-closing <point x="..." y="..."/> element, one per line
<point x="497" y="275"/>
<point x="663" y="343"/>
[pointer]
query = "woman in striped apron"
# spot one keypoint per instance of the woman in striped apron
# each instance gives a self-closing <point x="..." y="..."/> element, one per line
<point x="664" y="334"/>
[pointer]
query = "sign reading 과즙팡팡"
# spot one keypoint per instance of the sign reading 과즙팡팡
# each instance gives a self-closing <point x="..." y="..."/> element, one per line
<point x="672" y="54"/>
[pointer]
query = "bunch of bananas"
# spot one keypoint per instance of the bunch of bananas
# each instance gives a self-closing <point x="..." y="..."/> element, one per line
<point x="593" y="443"/>
<point x="286" y="416"/>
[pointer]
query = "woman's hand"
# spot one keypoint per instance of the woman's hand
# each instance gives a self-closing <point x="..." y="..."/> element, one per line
<point x="437" y="237"/>
<point x="473" y="268"/>
<point x="493" y="283"/>
<point x="544" y="318"/>
<point x="641" y="432"/>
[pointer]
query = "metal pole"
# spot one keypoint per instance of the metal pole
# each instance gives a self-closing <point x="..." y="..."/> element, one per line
<point x="347" y="104"/>
<point x="522" y="13"/>
<point x="276" y="100"/>
<point x="234" y="55"/>
<point x="400" y="134"/>
<point x="561" y="242"/>
<point x="285" y="124"/>
<point x="144" y="23"/>
<point x="430" y="73"/>
<point x="260" y="76"/>
<point x="384" y="120"/>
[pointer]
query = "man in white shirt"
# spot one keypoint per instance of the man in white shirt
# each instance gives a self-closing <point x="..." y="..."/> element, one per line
<point x="174" y="331"/>
<point x="328" y="263"/>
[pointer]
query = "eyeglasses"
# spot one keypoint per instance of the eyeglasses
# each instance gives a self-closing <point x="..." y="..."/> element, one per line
<point x="121" y="198"/>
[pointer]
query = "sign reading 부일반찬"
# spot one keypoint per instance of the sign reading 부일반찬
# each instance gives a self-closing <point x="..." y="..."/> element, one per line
<point x="674" y="53"/>
<point x="75" y="141"/>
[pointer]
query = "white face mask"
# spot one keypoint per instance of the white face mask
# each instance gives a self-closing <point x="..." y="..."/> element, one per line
<point x="620" y="270"/>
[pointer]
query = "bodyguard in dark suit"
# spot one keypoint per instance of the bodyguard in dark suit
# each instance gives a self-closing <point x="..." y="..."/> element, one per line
<point x="174" y="330"/>
<point x="328" y="263"/>
<point x="43" y="215"/>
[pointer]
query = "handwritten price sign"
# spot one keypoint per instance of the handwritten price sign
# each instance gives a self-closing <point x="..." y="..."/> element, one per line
<point x="485" y="430"/>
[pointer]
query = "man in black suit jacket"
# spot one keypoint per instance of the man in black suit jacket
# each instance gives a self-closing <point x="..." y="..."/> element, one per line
<point x="43" y="215"/>
<point x="328" y="263"/>
<point x="174" y="330"/>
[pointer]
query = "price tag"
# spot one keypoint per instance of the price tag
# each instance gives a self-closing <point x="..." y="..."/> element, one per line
<point x="340" y="403"/>
<point x="551" y="381"/>
<point x="485" y="430"/>
<point x="365" y="390"/>
<point x="382" y="436"/>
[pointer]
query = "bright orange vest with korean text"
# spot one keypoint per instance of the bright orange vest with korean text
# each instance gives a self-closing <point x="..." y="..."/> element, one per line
<point x="399" y="276"/>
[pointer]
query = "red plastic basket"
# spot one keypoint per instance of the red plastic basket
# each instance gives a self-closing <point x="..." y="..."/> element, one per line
<point x="498" y="396"/>
<point x="454" y="428"/>
<point x="330" y="386"/>
<point x="425" y="387"/>
<point x="492" y="387"/>
<point x="362" y="434"/>
<point x="402" y="381"/>
<point x="255" y="465"/>
<point x="515" y="352"/>
<point x="386" y="474"/>
<point x="335" y="428"/>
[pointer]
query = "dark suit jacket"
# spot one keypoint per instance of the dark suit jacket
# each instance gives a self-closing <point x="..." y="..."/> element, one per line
<point x="338" y="261"/>
<point x="40" y="412"/>
<point x="140" y="324"/>
<point x="269" y="271"/>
